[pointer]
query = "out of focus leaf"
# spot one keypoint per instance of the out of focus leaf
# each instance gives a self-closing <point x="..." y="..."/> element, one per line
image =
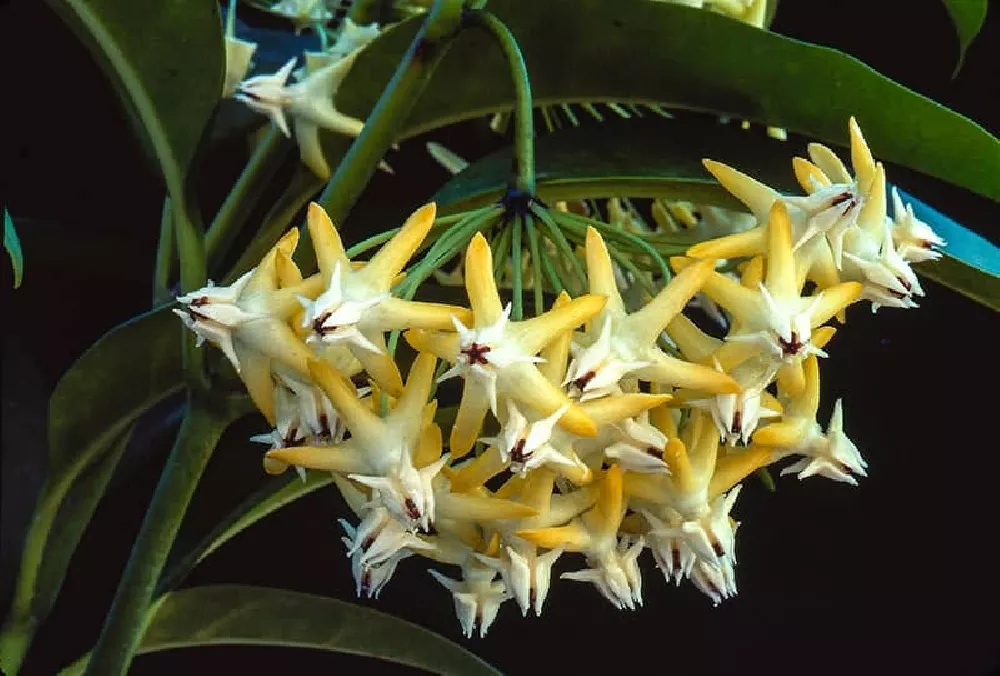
<point x="654" y="52"/>
<point x="242" y="615"/>
<point x="968" y="17"/>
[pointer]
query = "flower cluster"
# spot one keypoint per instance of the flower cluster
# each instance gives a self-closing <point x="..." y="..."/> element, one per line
<point x="599" y="427"/>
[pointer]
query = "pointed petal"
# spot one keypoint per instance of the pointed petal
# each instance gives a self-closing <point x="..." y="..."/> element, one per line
<point x="379" y="365"/>
<point x="443" y="345"/>
<point x="395" y="313"/>
<point x="785" y="434"/>
<point x="694" y="344"/>
<point x="791" y="379"/>
<point x="679" y="373"/>
<point x="359" y="419"/>
<point x="326" y="241"/>
<point x="255" y="372"/>
<point x="572" y="537"/>
<point x="276" y="340"/>
<point x="742" y="302"/>
<point x="616" y="408"/>
<point x="525" y="383"/>
<point x="829" y="163"/>
<point x="429" y="449"/>
<point x="754" y="194"/>
<point x="606" y="515"/>
<point x="752" y="272"/>
<point x="479" y="508"/>
<point x="418" y="388"/>
<point x="647" y="324"/>
<point x="874" y="211"/>
<point x="780" y="277"/>
<point x="478" y="471"/>
<point x="681" y="473"/>
<point x="480" y="284"/>
<point x="390" y="260"/>
<point x="535" y="333"/>
<point x="344" y="459"/>
<point x="736" y="466"/>
<point x="861" y="157"/>
<point x="600" y="270"/>
<point x="469" y="420"/>
<point x="556" y="353"/>
<point x="834" y="299"/>
<point x="809" y="176"/>
<point x="737" y="245"/>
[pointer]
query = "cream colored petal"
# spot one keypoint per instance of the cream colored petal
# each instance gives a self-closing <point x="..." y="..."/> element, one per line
<point x="752" y="273"/>
<point x="681" y="473"/>
<point x="873" y="212"/>
<point x="381" y="367"/>
<point x="255" y="372"/>
<point x="736" y="466"/>
<point x="390" y="260"/>
<point x="754" y="194"/>
<point x="345" y="459"/>
<point x="600" y="270"/>
<point x="733" y="353"/>
<point x="469" y="420"/>
<point x="809" y="176"/>
<point x="835" y="299"/>
<point x="535" y="333"/>
<point x="791" y="379"/>
<point x="429" y="449"/>
<point x="537" y="491"/>
<point x="284" y="303"/>
<point x="784" y="434"/>
<point x="861" y="157"/>
<point x="679" y="373"/>
<point x="556" y="353"/>
<point x="363" y="424"/>
<point x="806" y="402"/>
<point x="829" y="163"/>
<point x="443" y="345"/>
<point x="264" y="278"/>
<point x="572" y="537"/>
<point x="616" y="408"/>
<point x="276" y="340"/>
<point x="603" y="519"/>
<point x="480" y="284"/>
<point x="694" y="344"/>
<point x="704" y="446"/>
<point x="648" y="487"/>
<point x="743" y="303"/>
<point x="396" y="313"/>
<point x="648" y="323"/>
<point x="479" y="508"/>
<point x="822" y="336"/>
<point x="326" y="242"/>
<point x="526" y="385"/>
<point x="780" y="275"/>
<point x="747" y="243"/>
<point x="478" y="471"/>
<point x="410" y="406"/>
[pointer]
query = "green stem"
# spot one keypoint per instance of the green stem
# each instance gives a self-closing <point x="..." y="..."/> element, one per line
<point x="524" y="130"/>
<point x="565" y="250"/>
<point x="203" y="425"/>
<point x="165" y="253"/>
<point x="536" y="264"/>
<point x="517" y="274"/>
<point x="386" y="120"/>
<point x="500" y="248"/>
<point x="240" y="201"/>
<point x="190" y="239"/>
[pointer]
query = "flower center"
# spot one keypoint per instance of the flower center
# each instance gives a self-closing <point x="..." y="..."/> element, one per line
<point x="476" y="353"/>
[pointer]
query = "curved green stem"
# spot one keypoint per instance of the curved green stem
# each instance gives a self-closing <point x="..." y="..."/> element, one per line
<point x="524" y="127"/>
<point x="203" y="425"/>
<point x="165" y="253"/>
<point x="536" y="264"/>
<point x="565" y="250"/>
<point x="517" y="273"/>
<point x="240" y="201"/>
<point x="391" y="110"/>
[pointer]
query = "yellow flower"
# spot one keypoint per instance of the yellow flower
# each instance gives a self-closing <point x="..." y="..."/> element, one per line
<point x="497" y="357"/>
<point x="621" y="345"/>
<point x="357" y="307"/>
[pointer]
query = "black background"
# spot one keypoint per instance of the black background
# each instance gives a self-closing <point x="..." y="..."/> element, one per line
<point x="897" y="575"/>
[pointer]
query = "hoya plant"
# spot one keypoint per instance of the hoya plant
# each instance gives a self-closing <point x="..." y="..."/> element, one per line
<point x="566" y="364"/>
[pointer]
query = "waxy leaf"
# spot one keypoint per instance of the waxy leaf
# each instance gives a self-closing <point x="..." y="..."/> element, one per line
<point x="655" y="52"/>
<point x="13" y="246"/>
<point x="653" y="157"/>
<point x="968" y="17"/>
<point x="242" y="615"/>
<point x="170" y="82"/>
<point x="91" y="411"/>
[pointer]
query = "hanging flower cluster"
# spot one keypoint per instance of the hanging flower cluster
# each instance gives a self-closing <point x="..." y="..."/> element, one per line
<point x="582" y="435"/>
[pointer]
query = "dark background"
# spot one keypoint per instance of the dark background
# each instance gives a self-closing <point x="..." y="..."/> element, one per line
<point x="897" y="575"/>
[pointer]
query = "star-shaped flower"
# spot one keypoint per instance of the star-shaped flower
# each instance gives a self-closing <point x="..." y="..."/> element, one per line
<point x="626" y="344"/>
<point x="613" y="562"/>
<point x="357" y="307"/>
<point x="831" y="454"/>
<point x="497" y="357"/>
<point x="915" y="241"/>
<point x="310" y="104"/>
<point x="477" y="596"/>
<point x="526" y="445"/>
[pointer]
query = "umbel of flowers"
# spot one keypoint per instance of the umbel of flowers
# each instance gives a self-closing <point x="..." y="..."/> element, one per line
<point x="600" y="429"/>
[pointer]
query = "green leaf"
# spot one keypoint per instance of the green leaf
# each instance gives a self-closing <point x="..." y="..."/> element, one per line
<point x="167" y="61"/>
<point x="968" y="17"/>
<point x="242" y="615"/>
<point x="13" y="246"/>
<point x="652" y="157"/>
<point x="654" y="52"/>
<point x="91" y="410"/>
<point x="277" y="492"/>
